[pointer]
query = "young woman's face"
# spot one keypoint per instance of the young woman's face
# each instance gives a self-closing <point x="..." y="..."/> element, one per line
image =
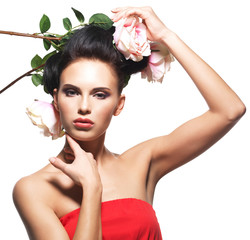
<point x="87" y="98"/>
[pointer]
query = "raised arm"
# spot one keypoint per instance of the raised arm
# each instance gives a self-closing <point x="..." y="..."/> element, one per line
<point x="34" y="203"/>
<point x="196" y="135"/>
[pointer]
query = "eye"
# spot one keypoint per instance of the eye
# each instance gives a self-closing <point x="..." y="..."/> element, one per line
<point x="70" y="92"/>
<point x="101" y="95"/>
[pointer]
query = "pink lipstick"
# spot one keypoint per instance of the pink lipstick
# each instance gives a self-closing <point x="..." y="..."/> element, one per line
<point x="83" y="123"/>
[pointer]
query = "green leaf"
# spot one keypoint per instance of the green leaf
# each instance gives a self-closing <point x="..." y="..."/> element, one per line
<point x="46" y="57"/>
<point x="44" y="24"/>
<point x="101" y="20"/>
<point x="79" y="15"/>
<point x="37" y="79"/>
<point x="67" y="24"/>
<point x="46" y="44"/>
<point x="36" y="61"/>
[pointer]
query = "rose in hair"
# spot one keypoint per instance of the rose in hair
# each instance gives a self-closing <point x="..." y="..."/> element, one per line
<point x="45" y="116"/>
<point x="130" y="39"/>
<point x="158" y="63"/>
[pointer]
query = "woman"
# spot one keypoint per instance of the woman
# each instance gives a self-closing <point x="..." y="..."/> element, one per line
<point x="98" y="194"/>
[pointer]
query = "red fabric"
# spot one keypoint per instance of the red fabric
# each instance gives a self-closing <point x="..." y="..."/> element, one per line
<point x="123" y="219"/>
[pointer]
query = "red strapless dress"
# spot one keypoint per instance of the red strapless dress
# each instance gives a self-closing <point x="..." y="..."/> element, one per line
<point x="123" y="219"/>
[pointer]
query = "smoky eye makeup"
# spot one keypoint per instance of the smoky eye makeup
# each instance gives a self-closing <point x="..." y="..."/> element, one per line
<point x="70" y="90"/>
<point x="101" y="95"/>
<point x="99" y="92"/>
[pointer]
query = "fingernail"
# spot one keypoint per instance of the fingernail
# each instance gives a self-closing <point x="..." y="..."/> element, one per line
<point x="52" y="160"/>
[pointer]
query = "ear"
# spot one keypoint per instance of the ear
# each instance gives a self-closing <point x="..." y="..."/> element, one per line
<point x="120" y="105"/>
<point x="55" y="100"/>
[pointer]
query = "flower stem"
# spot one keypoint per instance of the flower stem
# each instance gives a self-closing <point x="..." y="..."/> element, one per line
<point x="19" y="78"/>
<point x="29" y="35"/>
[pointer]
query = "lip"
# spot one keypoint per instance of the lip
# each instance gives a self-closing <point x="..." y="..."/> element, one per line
<point x="83" y="123"/>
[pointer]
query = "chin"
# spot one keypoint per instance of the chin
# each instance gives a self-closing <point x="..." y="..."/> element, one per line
<point x="85" y="136"/>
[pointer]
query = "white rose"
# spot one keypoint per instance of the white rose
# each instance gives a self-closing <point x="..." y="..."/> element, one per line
<point x="158" y="63"/>
<point x="130" y="38"/>
<point x="45" y="116"/>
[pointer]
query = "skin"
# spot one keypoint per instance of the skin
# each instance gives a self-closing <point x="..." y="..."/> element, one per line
<point x="94" y="174"/>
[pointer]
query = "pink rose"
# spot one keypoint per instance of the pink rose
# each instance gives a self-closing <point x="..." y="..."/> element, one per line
<point x="130" y="38"/>
<point x="45" y="116"/>
<point x="158" y="64"/>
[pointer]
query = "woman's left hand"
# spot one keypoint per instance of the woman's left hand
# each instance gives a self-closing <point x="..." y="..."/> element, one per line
<point x="156" y="29"/>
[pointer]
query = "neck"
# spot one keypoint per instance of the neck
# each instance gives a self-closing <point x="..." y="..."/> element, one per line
<point x="96" y="147"/>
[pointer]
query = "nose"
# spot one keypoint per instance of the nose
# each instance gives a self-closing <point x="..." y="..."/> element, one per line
<point x="84" y="106"/>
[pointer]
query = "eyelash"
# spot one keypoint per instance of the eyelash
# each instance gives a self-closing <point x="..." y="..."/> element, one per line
<point x="70" y="92"/>
<point x="101" y="95"/>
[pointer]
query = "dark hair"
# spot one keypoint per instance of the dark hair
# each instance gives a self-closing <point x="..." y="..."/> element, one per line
<point x="90" y="42"/>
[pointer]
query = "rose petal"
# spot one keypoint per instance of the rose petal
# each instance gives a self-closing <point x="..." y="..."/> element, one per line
<point x="130" y="38"/>
<point x="45" y="116"/>
<point x="159" y="62"/>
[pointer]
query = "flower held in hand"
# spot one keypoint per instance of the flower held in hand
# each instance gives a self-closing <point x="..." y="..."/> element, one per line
<point x="158" y="63"/>
<point x="130" y="38"/>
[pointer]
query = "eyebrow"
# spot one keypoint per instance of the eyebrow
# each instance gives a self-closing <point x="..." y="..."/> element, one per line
<point x="94" y="89"/>
<point x="101" y="89"/>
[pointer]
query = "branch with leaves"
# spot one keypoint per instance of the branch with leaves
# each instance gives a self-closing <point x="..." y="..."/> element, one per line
<point x="55" y="41"/>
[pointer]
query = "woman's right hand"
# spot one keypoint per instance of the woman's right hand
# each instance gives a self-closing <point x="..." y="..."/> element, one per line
<point x="83" y="170"/>
<point x="156" y="29"/>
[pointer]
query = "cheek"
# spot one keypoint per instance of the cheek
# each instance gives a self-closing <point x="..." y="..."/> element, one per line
<point x="65" y="110"/>
<point x="106" y="112"/>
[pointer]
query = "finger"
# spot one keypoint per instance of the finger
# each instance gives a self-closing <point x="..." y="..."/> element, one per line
<point x="73" y="145"/>
<point x="58" y="163"/>
<point x="128" y="12"/>
<point x="116" y="17"/>
<point x="131" y="20"/>
<point x="134" y="12"/>
<point x="118" y="9"/>
<point x="119" y="13"/>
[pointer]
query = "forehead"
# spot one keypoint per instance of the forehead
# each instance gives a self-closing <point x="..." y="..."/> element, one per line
<point x="89" y="73"/>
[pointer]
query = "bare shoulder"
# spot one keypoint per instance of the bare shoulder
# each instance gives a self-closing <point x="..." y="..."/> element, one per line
<point x="43" y="186"/>
<point x="34" y="197"/>
<point x="32" y="186"/>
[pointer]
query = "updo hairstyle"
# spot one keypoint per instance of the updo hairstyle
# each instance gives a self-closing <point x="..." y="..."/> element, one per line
<point x="94" y="43"/>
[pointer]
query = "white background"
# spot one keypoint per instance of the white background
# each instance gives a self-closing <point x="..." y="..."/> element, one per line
<point x="207" y="198"/>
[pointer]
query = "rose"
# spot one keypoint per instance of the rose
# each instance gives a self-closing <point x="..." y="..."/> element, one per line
<point x="130" y="39"/>
<point x="158" y="62"/>
<point x="45" y="116"/>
